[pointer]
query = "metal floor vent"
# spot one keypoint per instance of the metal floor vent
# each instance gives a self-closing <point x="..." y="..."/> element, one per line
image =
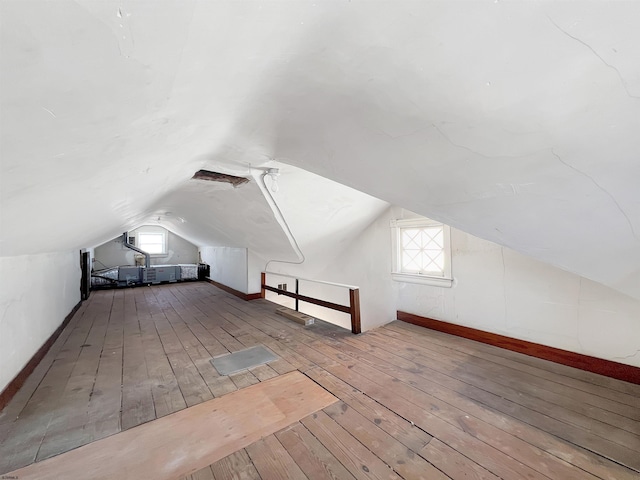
<point x="235" y="362"/>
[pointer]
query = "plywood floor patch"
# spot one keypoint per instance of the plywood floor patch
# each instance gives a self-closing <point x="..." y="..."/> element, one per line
<point x="186" y="441"/>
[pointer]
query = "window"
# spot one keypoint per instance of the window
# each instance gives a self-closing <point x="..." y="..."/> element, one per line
<point x="152" y="242"/>
<point x="422" y="252"/>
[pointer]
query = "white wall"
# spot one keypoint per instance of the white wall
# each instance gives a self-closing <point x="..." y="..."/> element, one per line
<point x="36" y="293"/>
<point x="495" y="289"/>
<point x="365" y="263"/>
<point x="255" y="266"/>
<point x="455" y="113"/>
<point x="228" y="266"/>
<point x="113" y="253"/>
<point x="498" y="290"/>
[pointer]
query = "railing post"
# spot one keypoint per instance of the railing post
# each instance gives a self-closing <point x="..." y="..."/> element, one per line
<point x="354" y="304"/>
<point x="353" y="309"/>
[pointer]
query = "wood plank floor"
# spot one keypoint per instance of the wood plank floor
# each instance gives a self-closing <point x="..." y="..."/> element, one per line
<point x="186" y="441"/>
<point x="413" y="403"/>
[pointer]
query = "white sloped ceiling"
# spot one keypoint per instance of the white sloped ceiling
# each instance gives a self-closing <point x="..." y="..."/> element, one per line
<point x="514" y="121"/>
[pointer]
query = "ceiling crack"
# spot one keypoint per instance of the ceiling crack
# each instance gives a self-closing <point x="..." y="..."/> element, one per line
<point x="483" y="155"/>
<point x="601" y="188"/>
<point x="446" y="137"/>
<point x="582" y="42"/>
<point x="49" y="112"/>
<point x="400" y="135"/>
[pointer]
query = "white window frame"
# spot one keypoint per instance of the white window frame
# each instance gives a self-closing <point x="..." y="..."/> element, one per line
<point x="164" y="235"/>
<point x="444" y="280"/>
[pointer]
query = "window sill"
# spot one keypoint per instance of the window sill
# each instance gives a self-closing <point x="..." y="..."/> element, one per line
<point x="422" y="279"/>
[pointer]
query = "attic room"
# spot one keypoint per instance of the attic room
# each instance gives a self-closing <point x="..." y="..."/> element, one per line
<point x="413" y="226"/>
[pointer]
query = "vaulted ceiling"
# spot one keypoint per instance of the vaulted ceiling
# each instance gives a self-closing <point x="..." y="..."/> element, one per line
<point x="514" y="121"/>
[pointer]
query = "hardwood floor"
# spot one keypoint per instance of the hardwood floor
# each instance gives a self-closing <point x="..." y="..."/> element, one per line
<point x="413" y="403"/>
<point x="186" y="441"/>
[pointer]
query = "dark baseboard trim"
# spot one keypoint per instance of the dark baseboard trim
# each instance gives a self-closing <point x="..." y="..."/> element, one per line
<point x="617" y="370"/>
<point x="15" y="384"/>
<point x="233" y="291"/>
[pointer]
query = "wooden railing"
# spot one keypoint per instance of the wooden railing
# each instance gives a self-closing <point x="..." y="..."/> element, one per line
<point x="353" y="309"/>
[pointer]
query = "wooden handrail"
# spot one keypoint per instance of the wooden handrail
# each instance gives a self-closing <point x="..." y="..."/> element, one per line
<point x="315" y="301"/>
<point x="323" y="282"/>
<point x="353" y="309"/>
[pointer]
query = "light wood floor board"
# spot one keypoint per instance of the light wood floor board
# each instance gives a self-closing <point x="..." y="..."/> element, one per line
<point x="236" y="466"/>
<point x="412" y="401"/>
<point x="273" y="461"/>
<point x="559" y="394"/>
<point x="388" y="449"/>
<point x="190" y="440"/>
<point x="476" y="376"/>
<point x="310" y="455"/>
<point x="431" y="382"/>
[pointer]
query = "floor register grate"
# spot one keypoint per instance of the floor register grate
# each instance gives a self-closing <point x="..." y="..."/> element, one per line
<point x="237" y="361"/>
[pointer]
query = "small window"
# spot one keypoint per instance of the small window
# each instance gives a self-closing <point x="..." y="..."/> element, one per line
<point x="153" y="243"/>
<point x="422" y="252"/>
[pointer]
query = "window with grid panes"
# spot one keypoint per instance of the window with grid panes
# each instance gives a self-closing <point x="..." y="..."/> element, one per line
<point x="422" y="252"/>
